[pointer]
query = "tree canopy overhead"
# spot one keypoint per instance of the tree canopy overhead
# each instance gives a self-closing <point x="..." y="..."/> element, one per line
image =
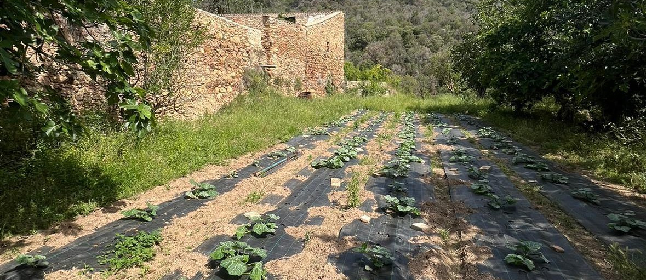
<point x="33" y="31"/>
<point x="589" y="55"/>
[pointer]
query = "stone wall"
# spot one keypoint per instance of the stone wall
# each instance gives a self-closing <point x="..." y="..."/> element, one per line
<point x="306" y="49"/>
<point x="214" y="72"/>
<point x="301" y="52"/>
<point x="326" y="55"/>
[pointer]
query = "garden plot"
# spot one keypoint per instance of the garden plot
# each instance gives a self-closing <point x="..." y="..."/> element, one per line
<point x="83" y="252"/>
<point x="600" y="210"/>
<point x="400" y="190"/>
<point x="292" y="212"/>
<point x="505" y="218"/>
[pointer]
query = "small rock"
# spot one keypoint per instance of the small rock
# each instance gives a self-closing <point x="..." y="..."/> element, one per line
<point x="420" y="227"/>
<point x="251" y="215"/>
<point x="485" y="168"/>
<point x="365" y="219"/>
<point x="558" y="249"/>
<point x="359" y="150"/>
<point x="532" y="182"/>
<point x="335" y="182"/>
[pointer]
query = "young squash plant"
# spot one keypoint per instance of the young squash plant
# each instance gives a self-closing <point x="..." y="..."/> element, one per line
<point x="555" y="178"/>
<point x="259" y="225"/>
<point x="625" y="222"/>
<point x="586" y="194"/>
<point x="397" y="188"/>
<point x="486" y="132"/>
<point x="538" y="166"/>
<point x="523" y="158"/>
<point x="146" y="214"/>
<point x="482" y="188"/>
<point x="37" y="261"/>
<point x="511" y="151"/>
<point x="461" y="156"/>
<point x="525" y="253"/>
<point x="235" y="258"/>
<point x="475" y="173"/>
<point x="402" y="206"/>
<point x="201" y="191"/>
<point x="378" y="255"/>
<point x="395" y="169"/>
<point x="497" y="203"/>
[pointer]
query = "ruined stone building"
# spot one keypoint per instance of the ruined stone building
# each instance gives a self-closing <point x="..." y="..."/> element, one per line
<point x="302" y="53"/>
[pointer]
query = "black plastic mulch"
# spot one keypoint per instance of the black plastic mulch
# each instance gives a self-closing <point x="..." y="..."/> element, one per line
<point x="591" y="216"/>
<point x="501" y="228"/>
<point x="390" y="231"/>
<point x="293" y="212"/>
<point x="83" y="252"/>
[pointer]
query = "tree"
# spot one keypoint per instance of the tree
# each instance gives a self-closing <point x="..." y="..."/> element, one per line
<point x="40" y="30"/>
<point x="587" y="54"/>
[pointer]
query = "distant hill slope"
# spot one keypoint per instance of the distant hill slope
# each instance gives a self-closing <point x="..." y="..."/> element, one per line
<point x="410" y="37"/>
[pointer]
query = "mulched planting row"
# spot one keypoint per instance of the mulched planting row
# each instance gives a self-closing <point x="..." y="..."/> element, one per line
<point x="389" y="230"/>
<point x="292" y="210"/>
<point x="593" y="217"/>
<point x="83" y="252"/>
<point x="501" y="228"/>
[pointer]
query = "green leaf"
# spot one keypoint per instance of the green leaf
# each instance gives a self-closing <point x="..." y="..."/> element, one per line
<point x="241" y="231"/>
<point x="236" y="265"/>
<point x="257" y="272"/>
<point x="9" y="64"/>
<point x="21" y="97"/>
<point x="50" y="128"/>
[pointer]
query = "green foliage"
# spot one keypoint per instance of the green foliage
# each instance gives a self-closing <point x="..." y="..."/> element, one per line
<point x="523" y="158"/>
<point x="53" y="184"/>
<point x="254" y="197"/>
<point x="402" y="206"/>
<point x="555" y="178"/>
<point x="538" y="166"/>
<point x="397" y="188"/>
<point x="142" y="214"/>
<point x="33" y="260"/>
<point x="353" y="188"/>
<point x="624" y="222"/>
<point x="28" y="26"/>
<point x="587" y="55"/>
<point x="131" y="251"/>
<point x="176" y="38"/>
<point x="259" y="225"/>
<point x="376" y="73"/>
<point x="378" y="256"/>
<point x="525" y="254"/>
<point x="201" y="191"/>
<point x="628" y="265"/>
<point x="482" y="188"/>
<point x="345" y="153"/>
<point x="475" y="173"/>
<point x="234" y="256"/>
<point x="461" y="156"/>
<point x="316" y="131"/>
<point x="281" y="154"/>
<point x="586" y="194"/>
<point x="497" y="203"/>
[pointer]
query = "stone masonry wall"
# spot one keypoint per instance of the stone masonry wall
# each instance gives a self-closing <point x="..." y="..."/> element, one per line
<point x="301" y="54"/>
<point x="215" y="70"/>
<point x="326" y="55"/>
<point x="306" y="53"/>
